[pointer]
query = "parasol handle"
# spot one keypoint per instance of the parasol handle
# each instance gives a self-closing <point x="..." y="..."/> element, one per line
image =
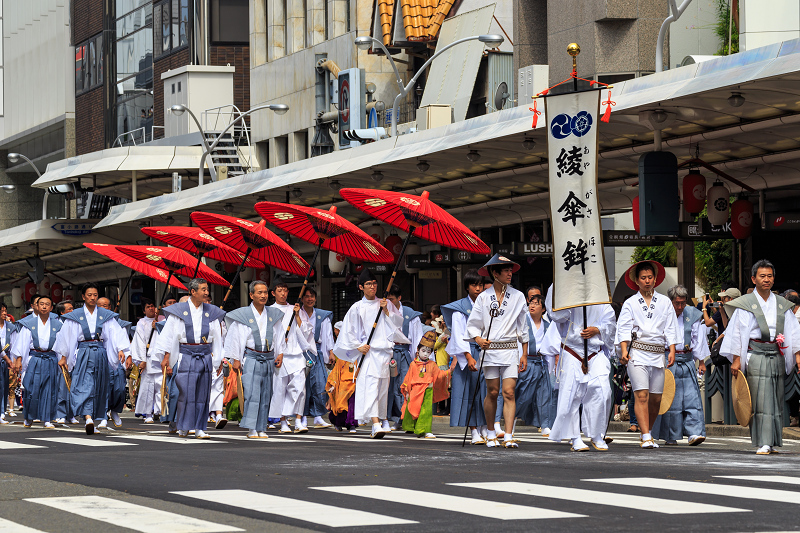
<point x="303" y="288"/>
<point x="386" y="292"/>
<point x="166" y="290"/>
<point x="124" y="290"/>
<point x="197" y="266"/>
<point x="236" y="276"/>
<point x="585" y="360"/>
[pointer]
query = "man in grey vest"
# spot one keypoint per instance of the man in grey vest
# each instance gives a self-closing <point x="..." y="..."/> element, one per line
<point x="762" y="341"/>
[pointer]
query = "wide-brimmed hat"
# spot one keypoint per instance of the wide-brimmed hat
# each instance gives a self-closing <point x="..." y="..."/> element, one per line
<point x="497" y="259"/>
<point x="630" y="274"/>
<point x="669" y="392"/>
<point x="742" y="403"/>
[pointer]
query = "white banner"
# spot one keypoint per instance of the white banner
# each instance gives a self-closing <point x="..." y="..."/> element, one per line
<point x="579" y="271"/>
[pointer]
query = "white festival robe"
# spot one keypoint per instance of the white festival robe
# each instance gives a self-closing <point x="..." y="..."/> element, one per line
<point x="289" y="381"/>
<point x="509" y="326"/>
<point x="114" y="339"/>
<point x="654" y="324"/>
<point x="148" y="401"/>
<point x="372" y="384"/>
<point x="174" y="334"/>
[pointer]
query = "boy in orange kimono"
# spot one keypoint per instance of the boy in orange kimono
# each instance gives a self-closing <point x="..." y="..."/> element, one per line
<point x="424" y="385"/>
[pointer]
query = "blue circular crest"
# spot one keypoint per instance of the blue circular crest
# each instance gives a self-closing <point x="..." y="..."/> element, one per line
<point x="560" y="126"/>
<point x="581" y="123"/>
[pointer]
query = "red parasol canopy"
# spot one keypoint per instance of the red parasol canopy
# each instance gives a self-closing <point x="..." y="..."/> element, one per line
<point x="408" y="212"/>
<point x="197" y="242"/>
<point x="172" y="259"/>
<point x="111" y="251"/>
<point x="336" y="232"/>
<point x="244" y="235"/>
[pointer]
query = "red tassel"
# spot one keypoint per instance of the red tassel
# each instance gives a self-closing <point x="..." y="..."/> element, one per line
<point x="609" y="104"/>
<point x="536" y="114"/>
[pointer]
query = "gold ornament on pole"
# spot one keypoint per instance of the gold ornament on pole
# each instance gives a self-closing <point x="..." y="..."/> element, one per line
<point x="573" y="49"/>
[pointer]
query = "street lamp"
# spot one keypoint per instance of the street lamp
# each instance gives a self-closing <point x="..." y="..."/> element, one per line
<point x="9" y="189"/>
<point x="278" y="109"/>
<point x="365" y="42"/>
<point x="180" y="109"/>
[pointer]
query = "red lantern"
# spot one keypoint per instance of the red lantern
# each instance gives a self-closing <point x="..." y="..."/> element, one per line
<point x="56" y="292"/>
<point x="30" y="290"/>
<point x="262" y="274"/>
<point x="741" y="218"/>
<point x="394" y="244"/>
<point x="636" y="214"/>
<point x="694" y="192"/>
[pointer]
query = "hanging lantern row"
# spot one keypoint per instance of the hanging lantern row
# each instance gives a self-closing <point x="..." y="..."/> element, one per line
<point x="717" y="199"/>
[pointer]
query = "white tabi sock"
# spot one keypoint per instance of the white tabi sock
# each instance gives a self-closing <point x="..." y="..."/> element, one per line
<point x="764" y="449"/>
<point x="376" y="427"/>
<point x="484" y="431"/>
<point x="475" y="434"/>
<point x="318" y="421"/>
<point x="491" y="434"/>
<point x="646" y="436"/>
<point x="285" y="426"/>
<point x="497" y="428"/>
<point x="252" y="433"/>
<point x="304" y="421"/>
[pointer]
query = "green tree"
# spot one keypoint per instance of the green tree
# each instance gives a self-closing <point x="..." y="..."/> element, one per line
<point x="721" y="28"/>
<point x="667" y="255"/>
<point x="712" y="263"/>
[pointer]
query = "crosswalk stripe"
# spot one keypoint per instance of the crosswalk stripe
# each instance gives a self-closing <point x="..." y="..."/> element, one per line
<point x="316" y="513"/>
<point x="130" y="515"/>
<point x="643" y="503"/>
<point x="732" y="491"/>
<point x="446" y="502"/>
<point x="272" y="438"/>
<point x="18" y="446"/>
<point x="83" y="441"/>
<point x="169" y="440"/>
<point x="7" y="526"/>
<point x="789" y="480"/>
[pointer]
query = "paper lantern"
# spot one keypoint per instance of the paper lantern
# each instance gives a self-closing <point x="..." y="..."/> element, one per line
<point x="336" y="262"/>
<point x="636" y="214"/>
<point x="16" y="297"/>
<point x="44" y="286"/>
<point x="30" y="290"/>
<point x="69" y="294"/>
<point x="412" y="249"/>
<point x="56" y="292"/>
<point x="394" y="244"/>
<point x="741" y="218"/>
<point x="694" y="192"/>
<point x="376" y="232"/>
<point x="718" y="204"/>
<point x="262" y="274"/>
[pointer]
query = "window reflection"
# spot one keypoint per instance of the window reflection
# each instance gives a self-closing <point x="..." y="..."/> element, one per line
<point x="134" y="68"/>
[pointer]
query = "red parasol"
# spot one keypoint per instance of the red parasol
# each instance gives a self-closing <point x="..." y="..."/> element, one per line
<point x="200" y="244"/>
<point x="111" y="251"/>
<point x="251" y="238"/>
<point x="327" y="230"/>
<point x="175" y="260"/>
<point x="418" y="217"/>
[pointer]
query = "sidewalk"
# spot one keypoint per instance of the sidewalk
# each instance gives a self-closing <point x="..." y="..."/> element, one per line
<point x="441" y="424"/>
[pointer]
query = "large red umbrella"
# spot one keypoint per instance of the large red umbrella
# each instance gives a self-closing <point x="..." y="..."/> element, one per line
<point x="200" y="244"/>
<point x="111" y="251"/>
<point x="327" y="230"/>
<point x="418" y="217"/>
<point x="251" y="238"/>
<point x="174" y="260"/>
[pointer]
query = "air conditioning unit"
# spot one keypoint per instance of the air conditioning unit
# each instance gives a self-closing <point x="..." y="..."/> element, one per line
<point x="434" y="115"/>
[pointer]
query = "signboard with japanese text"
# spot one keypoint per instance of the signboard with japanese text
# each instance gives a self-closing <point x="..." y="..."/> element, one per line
<point x="579" y="272"/>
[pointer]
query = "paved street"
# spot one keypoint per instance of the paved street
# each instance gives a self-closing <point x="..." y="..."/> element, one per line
<point x="143" y="479"/>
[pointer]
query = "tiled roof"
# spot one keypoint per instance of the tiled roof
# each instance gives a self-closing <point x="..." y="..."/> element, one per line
<point x="422" y="19"/>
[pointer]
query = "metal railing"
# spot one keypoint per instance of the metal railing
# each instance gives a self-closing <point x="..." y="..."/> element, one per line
<point x="132" y="134"/>
<point x="220" y="122"/>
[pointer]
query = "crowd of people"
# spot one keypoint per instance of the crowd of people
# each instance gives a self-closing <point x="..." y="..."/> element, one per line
<point x="490" y="359"/>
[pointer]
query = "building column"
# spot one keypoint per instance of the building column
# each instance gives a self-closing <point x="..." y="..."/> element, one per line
<point x="276" y="30"/>
<point x="295" y="26"/>
<point x="686" y="259"/>
<point x="258" y="32"/>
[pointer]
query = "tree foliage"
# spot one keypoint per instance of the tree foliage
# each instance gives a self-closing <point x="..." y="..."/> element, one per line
<point x="667" y="255"/>
<point x="721" y="28"/>
<point x="712" y="263"/>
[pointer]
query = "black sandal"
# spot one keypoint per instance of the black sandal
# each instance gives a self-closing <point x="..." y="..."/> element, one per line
<point x="633" y="429"/>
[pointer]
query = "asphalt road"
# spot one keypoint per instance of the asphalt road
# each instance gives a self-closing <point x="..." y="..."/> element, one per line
<point x="141" y="478"/>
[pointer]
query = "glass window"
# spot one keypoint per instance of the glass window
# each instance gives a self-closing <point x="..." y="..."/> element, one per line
<point x="134" y="21"/>
<point x="166" y="31"/>
<point x="99" y="66"/>
<point x="126" y="6"/>
<point x="80" y="52"/>
<point x="90" y="80"/>
<point x="230" y="21"/>
<point x="183" y="39"/>
<point x="134" y="53"/>
<point x="176" y="14"/>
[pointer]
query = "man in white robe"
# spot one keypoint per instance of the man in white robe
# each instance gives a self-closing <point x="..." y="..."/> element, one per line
<point x="319" y="334"/>
<point x="372" y="381"/>
<point x="647" y="326"/>
<point x="591" y="389"/>
<point x="148" y="401"/>
<point x="498" y="325"/>
<point x="289" y="380"/>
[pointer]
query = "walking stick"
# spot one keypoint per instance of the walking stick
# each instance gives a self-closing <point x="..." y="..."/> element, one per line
<point x="585" y="360"/>
<point x="163" y="391"/>
<point x="493" y="312"/>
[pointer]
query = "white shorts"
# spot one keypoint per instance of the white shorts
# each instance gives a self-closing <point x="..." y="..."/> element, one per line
<point x="649" y="378"/>
<point x="504" y="372"/>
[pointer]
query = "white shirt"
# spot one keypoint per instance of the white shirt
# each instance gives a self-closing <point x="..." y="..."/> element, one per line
<point x="458" y="345"/>
<point x="240" y="336"/>
<point x="653" y="324"/>
<point x="356" y="330"/>
<point x="509" y="326"/>
<point x="174" y="334"/>
<point x="743" y="326"/>
<point x="139" y="351"/>
<point x="113" y="338"/>
<point x="699" y="342"/>
<point x="11" y="339"/>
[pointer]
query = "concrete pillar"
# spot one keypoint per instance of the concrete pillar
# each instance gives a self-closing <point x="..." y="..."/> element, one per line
<point x="337" y="11"/>
<point x="316" y="23"/>
<point x="295" y="25"/>
<point x="530" y="33"/>
<point x="258" y="32"/>
<point x="276" y="29"/>
<point x="278" y="151"/>
<point x="134" y="187"/>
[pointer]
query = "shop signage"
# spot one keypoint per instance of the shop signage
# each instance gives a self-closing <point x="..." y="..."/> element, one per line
<point x="73" y="229"/>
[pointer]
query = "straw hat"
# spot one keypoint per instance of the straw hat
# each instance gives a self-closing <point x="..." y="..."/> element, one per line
<point x="497" y="259"/>
<point x="630" y="274"/>
<point x="669" y="392"/>
<point x="742" y="403"/>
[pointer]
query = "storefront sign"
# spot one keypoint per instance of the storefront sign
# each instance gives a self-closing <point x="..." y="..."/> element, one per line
<point x="783" y="221"/>
<point x="529" y="249"/>
<point x="418" y="261"/>
<point x="703" y="230"/>
<point x="579" y="270"/>
<point x="628" y="238"/>
<point x="73" y="229"/>
<point x="430" y="274"/>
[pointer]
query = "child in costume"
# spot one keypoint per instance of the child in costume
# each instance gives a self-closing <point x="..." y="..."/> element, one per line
<point x="424" y="385"/>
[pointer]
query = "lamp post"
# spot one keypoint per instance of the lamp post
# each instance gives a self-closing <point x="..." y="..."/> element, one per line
<point x="364" y="43"/>
<point x="278" y="109"/>
<point x="14" y="157"/>
<point x="180" y="109"/>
